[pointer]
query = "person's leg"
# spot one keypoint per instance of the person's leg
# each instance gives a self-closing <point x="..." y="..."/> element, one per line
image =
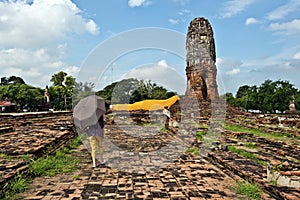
<point x="93" y="149"/>
<point x="100" y="148"/>
<point x="167" y="122"/>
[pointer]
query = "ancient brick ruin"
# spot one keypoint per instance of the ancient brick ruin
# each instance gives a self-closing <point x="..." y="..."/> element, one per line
<point x="201" y="70"/>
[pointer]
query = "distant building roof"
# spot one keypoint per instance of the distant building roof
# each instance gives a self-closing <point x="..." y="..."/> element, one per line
<point x="6" y="103"/>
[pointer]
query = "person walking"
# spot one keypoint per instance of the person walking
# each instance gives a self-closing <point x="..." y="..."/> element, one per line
<point x="96" y="134"/>
<point x="167" y="115"/>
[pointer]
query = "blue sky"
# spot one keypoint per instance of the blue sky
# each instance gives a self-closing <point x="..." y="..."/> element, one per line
<point x="255" y="39"/>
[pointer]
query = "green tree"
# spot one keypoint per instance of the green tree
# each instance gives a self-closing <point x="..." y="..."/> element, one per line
<point x="266" y="96"/>
<point x="58" y="78"/>
<point x="243" y="91"/>
<point x="133" y="90"/>
<point x="61" y="91"/>
<point x="118" y="92"/>
<point x="246" y="97"/>
<point x="270" y="96"/>
<point x="229" y="98"/>
<point x="297" y="100"/>
<point x="149" y="90"/>
<point x="23" y="95"/>
<point x="283" y="94"/>
<point x="11" y="80"/>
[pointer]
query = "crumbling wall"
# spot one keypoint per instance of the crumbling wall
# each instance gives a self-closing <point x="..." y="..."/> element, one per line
<point x="201" y="70"/>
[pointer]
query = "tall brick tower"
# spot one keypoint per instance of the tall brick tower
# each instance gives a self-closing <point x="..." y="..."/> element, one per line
<point x="200" y="69"/>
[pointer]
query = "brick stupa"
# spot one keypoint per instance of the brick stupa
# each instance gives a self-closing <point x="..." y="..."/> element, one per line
<point x="201" y="69"/>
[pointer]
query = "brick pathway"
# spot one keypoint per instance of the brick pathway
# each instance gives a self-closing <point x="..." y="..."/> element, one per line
<point x="185" y="179"/>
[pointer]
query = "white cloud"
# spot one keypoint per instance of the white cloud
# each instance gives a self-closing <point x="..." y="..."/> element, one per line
<point x="162" y="74"/>
<point x="162" y="63"/>
<point x="233" y="72"/>
<point x="138" y="3"/>
<point x="283" y="66"/>
<point x="251" y="20"/>
<point x="173" y="21"/>
<point x="24" y="58"/>
<point x="283" y="11"/>
<point x="35" y="66"/>
<point x="41" y="22"/>
<point x="234" y="7"/>
<point x="72" y="70"/>
<point x="227" y="64"/>
<point x="286" y="28"/>
<point x="184" y="12"/>
<point x="297" y="56"/>
<point x="32" y="34"/>
<point x="92" y="27"/>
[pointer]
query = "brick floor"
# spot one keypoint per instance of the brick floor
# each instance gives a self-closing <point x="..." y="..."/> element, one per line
<point x="190" y="179"/>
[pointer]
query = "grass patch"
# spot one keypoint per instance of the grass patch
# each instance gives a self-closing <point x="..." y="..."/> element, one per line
<point x="61" y="162"/>
<point x="202" y="126"/>
<point x="77" y="177"/>
<point x="76" y="142"/>
<point x="18" y="185"/>
<point x="251" y="191"/>
<point x="273" y="182"/>
<point x="256" y="132"/>
<point x="250" y="145"/>
<point x="200" y="134"/>
<point x="7" y="157"/>
<point x="192" y="150"/>
<point x="163" y="129"/>
<point x="241" y="152"/>
<point x="246" y="154"/>
<point x="26" y="157"/>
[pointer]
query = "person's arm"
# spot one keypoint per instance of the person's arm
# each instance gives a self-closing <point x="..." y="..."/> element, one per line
<point x="101" y="122"/>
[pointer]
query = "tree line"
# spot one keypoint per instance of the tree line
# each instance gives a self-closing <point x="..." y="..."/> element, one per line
<point x="61" y="92"/>
<point x="269" y="97"/>
<point x="66" y="92"/>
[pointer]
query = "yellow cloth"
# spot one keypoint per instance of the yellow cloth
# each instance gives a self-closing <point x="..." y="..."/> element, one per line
<point x="147" y="104"/>
<point x="96" y="141"/>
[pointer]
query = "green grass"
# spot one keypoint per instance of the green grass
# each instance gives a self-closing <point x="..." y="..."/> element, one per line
<point x="18" y="185"/>
<point x="200" y="134"/>
<point x="246" y="154"/>
<point x="7" y="157"/>
<point x="250" y="145"/>
<point x="193" y="151"/>
<point x="61" y="162"/>
<point x="251" y="191"/>
<point x="77" y="177"/>
<point x="241" y="152"/>
<point x="26" y="157"/>
<point x="163" y="129"/>
<point x="273" y="182"/>
<point x="76" y="142"/>
<point x="202" y="126"/>
<point x="256" y="132"/>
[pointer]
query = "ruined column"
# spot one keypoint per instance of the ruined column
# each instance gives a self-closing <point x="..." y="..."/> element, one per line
<point x="47" y="96"/>
<point x="292" y="107"/>
<point x="201" y="69"/>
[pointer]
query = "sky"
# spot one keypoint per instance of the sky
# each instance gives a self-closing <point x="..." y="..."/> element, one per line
<point x="93" y="41"/>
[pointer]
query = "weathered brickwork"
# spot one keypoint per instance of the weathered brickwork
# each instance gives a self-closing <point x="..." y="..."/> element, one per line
<point x="201" y="70"/>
